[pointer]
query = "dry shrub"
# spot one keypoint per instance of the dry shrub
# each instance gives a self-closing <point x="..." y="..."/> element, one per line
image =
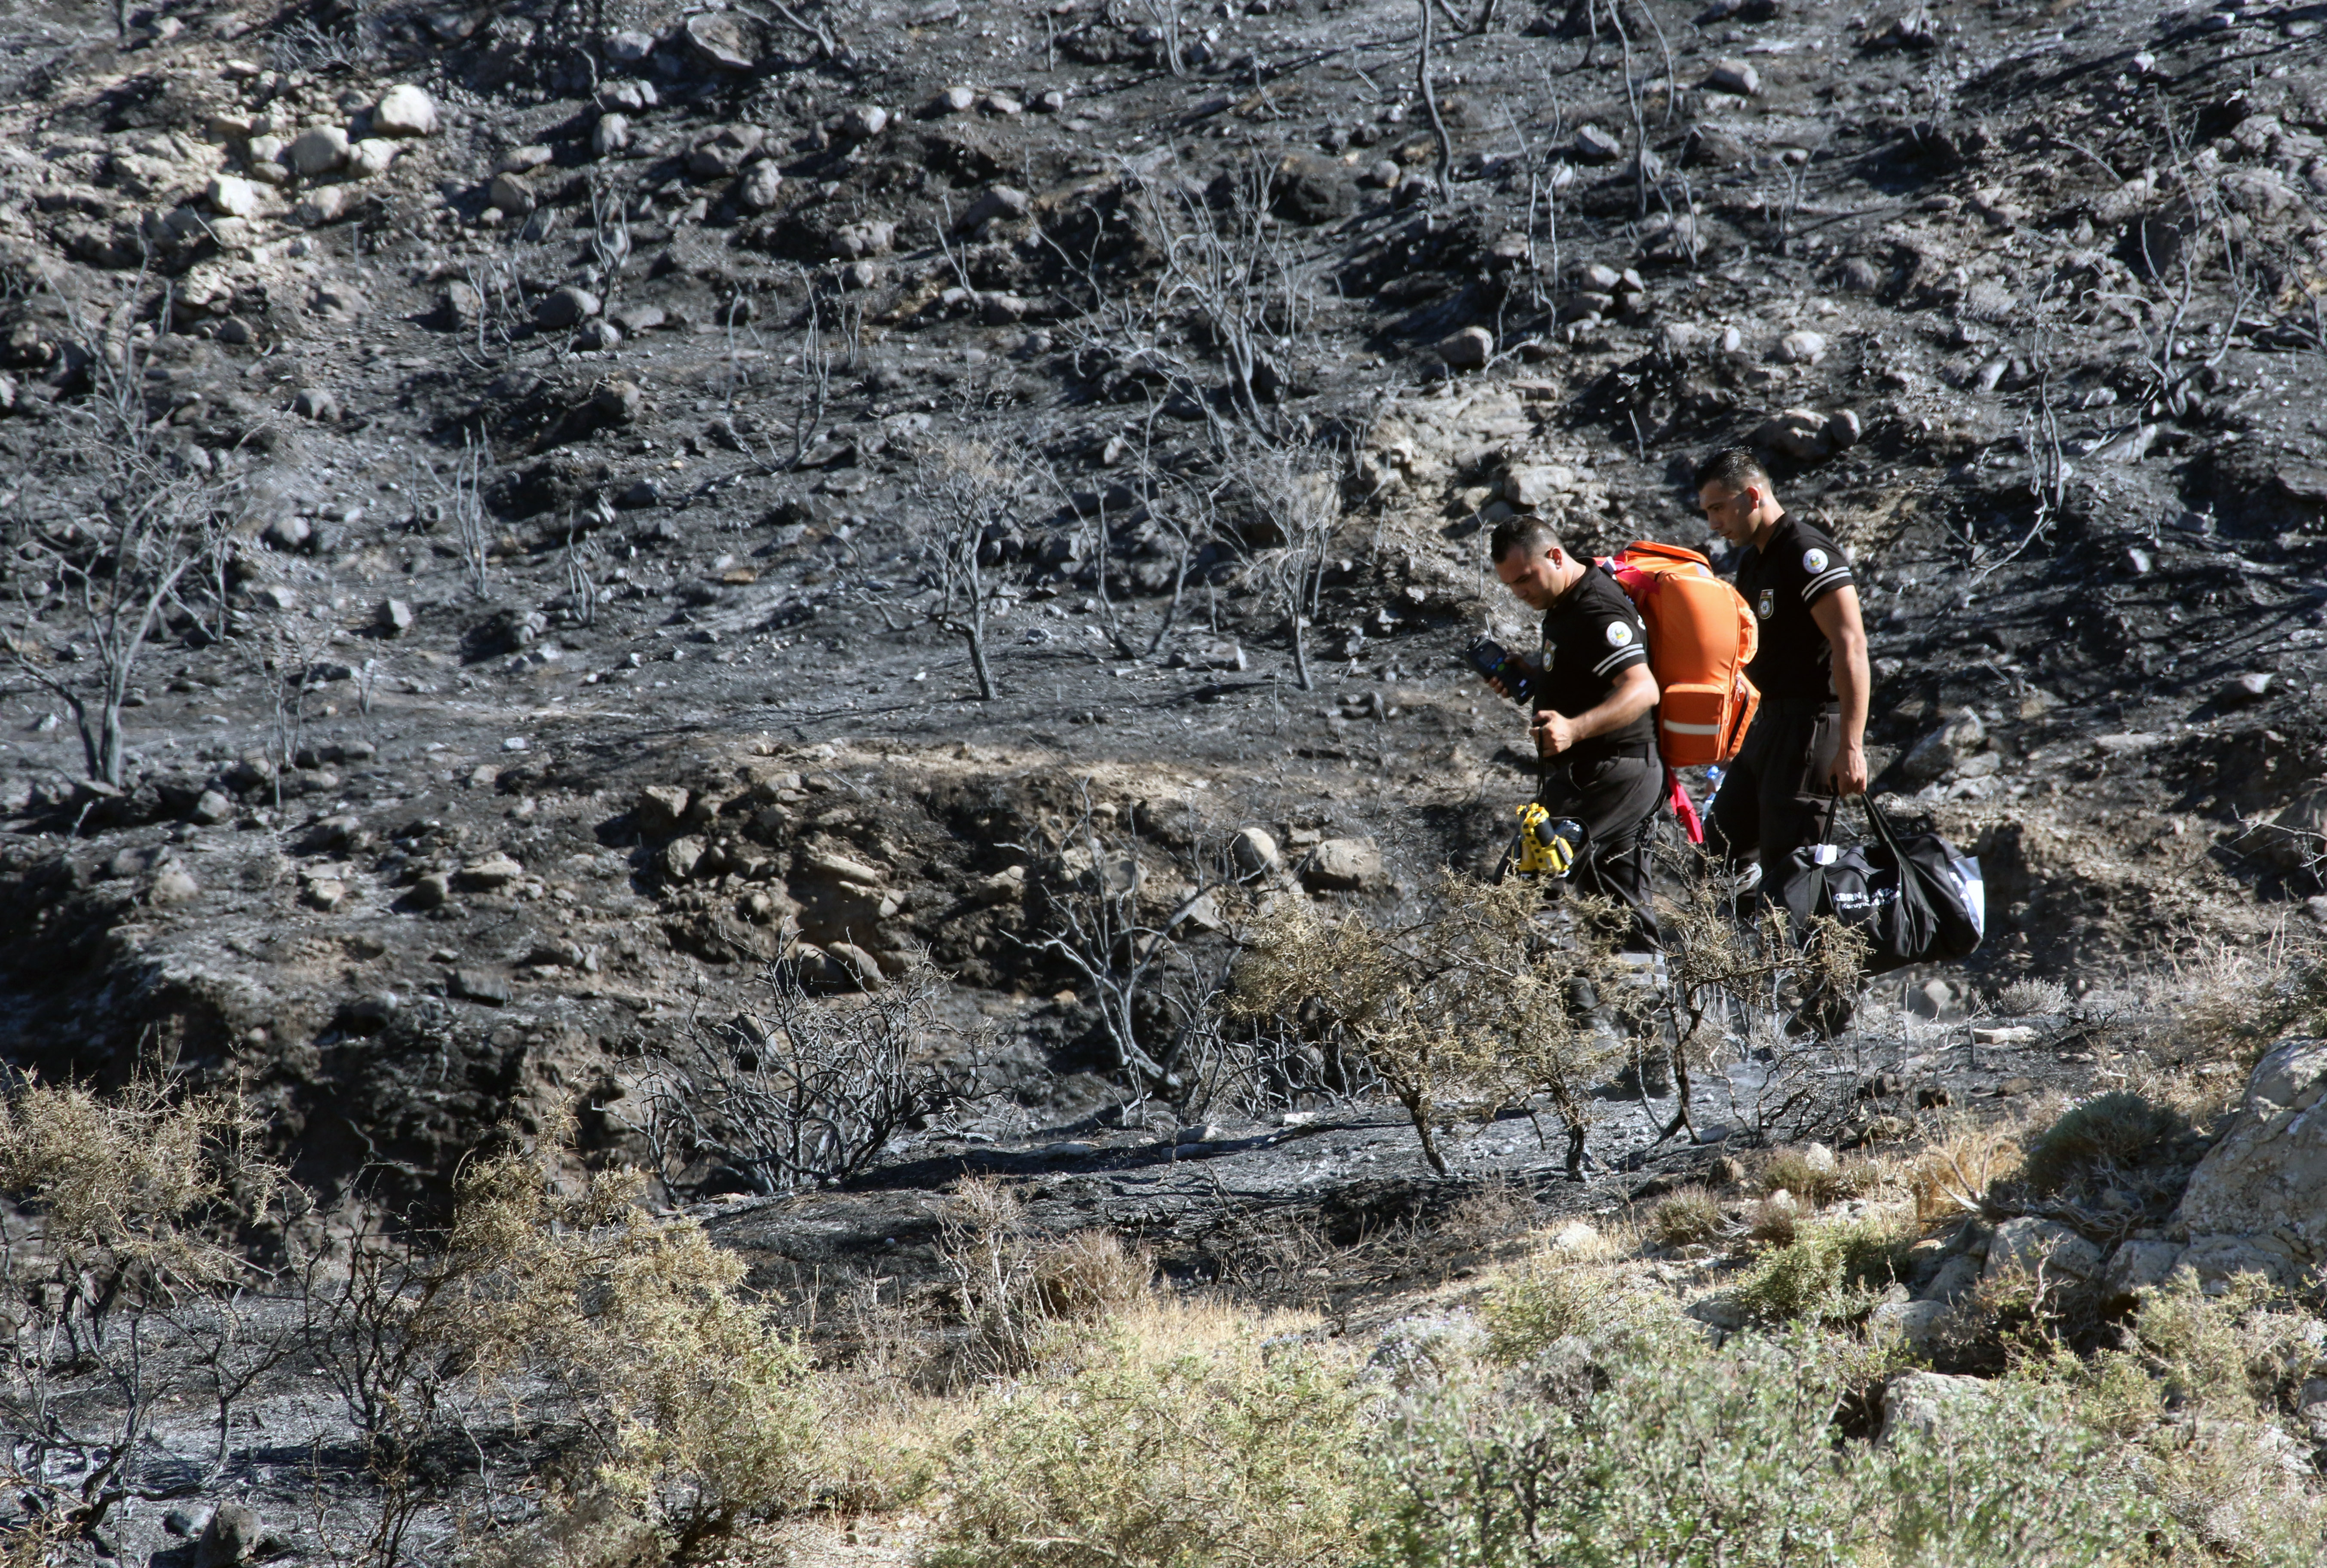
<point x="1814" y="1180"/>
<point x="1012" y="1283"/>
<point x="1685" y="1218"/>
<point x="698" y="1413"/>
<point x="1952" y="1175"/>
<point x="1174" y="1435"/>
<point x="1467" y="1008"/>
<point x="1774" y="1221"/>
<point x="2117" y="1139"/>
<point x="2032" y="998"/>
<point x="1562" y="1292"/>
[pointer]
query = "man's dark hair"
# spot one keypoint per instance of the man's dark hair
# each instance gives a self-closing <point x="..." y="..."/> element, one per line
<point x="1527" y="534"/>
<point x="1732" y="470"/>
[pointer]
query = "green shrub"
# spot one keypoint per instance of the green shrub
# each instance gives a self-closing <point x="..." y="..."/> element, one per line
<point x="1685" y="1218"/>
<point x="1829" y="1272"/>
<point x="1690" y="1457"/>
<point x="1547" y="1298"/>
<point x="1179" y="1441"/>
<point x="2110" y="1137"/>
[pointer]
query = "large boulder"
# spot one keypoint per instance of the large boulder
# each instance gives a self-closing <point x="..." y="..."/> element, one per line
<point x="2029" y="1244"/>
<point x="2258" y="1201"/>
<point x="719" y="40"/>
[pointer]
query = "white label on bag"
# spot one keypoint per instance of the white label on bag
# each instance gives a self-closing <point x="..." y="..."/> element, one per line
<point x="1825" y="854"/>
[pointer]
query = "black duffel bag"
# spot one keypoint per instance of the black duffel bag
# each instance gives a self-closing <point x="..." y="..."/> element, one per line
<point x="1914" y="897"/>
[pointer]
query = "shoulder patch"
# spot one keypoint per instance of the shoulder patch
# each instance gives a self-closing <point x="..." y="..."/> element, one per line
<point x="1814" y="562"/>
<point x="1618" y="634"/>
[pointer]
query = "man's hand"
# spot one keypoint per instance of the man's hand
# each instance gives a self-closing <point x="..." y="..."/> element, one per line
<point x="1849" y="774"/>
<point x="1554" y="732"/>
<point x="1499" y="689"/>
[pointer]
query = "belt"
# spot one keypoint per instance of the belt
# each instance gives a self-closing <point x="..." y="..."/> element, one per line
<point x="1589" y="751"/>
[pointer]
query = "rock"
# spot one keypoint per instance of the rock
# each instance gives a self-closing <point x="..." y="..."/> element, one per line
<point x="1921" y="1402"/>
<point x="509" y="195"/>
<point x="598" y="336"/>
<point x="482" y="986"/>
<point x="680" y="857"/>
<point x="314" y="403"/>
<point x="230" y="197"/>
<point x="619" y="402"/>
<point x="1801" y="433"/>
<point x="394" y="617"/>
<point x="1737" y="76"/>
<point x="209" y="808"/>
<point x="404" y="111"/>
<point x="721" y="155"/>
<point x="629" y="46"/>
<point x="430" y="891"/>
<point x="228" y="1539"/>
<point x="2245" y="690"/>
<point x="323" y="893"/>
<point x="318" y="150"/>
<point x="1255" y="852"/>
<point x="327" y="205"/>
<point x="864" y="121"/>
<point x="1956" y="1277"/>
<point x="172" y="885"/>
<point x="823" y="864"/>
<point x="287" y="534"/>
<point x="852" y="241"/>
<point x="264" y="155"/>
<point x="999" y="201"/>
<point x="1815" y="1157"/>
<point x="1842" y="428"/>
<point x="1468" y="350"/>
<point x="1936" y="754"/>
<point x="2028" y="1244"/>
<point x="2259" y="1196"/>
<point x="1001" y="103"/>
<point x="2294" y="837"/>
<point x="1916" y="1323"/>
<point x="660" y="808"/>
<point x="954" y="100"/>
<point x="763" y="186"/>
<point x="565" y="307"/>
<point x="1308" y="188"/>
<point x="1593" y="145"/>
<point x="1343" y="864"/>
<point x="489" y="874"/>
<point x="611" y="134"/>
<point x="371" y="156"/>
<point x="720" y="41"/>
<point x="1802" y="347"/>
<point x="861" y="966"/>
<point x="2136" y="1264"/>
<point x="1533" y="490"/>
<point x="637" y="319"/>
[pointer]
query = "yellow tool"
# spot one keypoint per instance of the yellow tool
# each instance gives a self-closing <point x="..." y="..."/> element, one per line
<point x="1546" y="847"/>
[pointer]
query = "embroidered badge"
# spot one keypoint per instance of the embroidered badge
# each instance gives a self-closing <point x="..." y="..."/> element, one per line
<point x="1618" y="634"/>
<point x="1814" y="562"/>
<point x="1766" y="604"/>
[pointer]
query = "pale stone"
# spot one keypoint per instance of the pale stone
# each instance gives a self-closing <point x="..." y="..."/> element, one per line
<point x="230" y="197"/>
<point x="405" y="110"/>
<point x="2028" y="1245"/>
<point x="1342" y="863"/>
<point x="1255" y="850"/>
<point x="1923" y="1402"/>
<point x="318" y="151"/>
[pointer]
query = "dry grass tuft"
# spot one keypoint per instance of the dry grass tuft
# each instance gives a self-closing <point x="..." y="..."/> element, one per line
<point x="1952" y="1175"/>
<point x="1685" y="1218"/>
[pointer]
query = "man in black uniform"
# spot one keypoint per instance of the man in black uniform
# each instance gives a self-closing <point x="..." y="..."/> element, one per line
<point x="1809" y="742"/>
<point x="1595" y="706"/>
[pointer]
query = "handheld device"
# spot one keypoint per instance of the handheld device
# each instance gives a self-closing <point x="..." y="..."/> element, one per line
<point x="1547" y="845"/>
<point x="1492" y="659"/>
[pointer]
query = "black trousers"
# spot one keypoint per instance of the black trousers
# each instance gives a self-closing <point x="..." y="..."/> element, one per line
<point x="1759" y="809"/>
<point x="1616" y="798"/>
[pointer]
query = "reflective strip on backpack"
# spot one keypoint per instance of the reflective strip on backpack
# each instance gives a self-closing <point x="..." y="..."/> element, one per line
<point x="1677" y="728"/>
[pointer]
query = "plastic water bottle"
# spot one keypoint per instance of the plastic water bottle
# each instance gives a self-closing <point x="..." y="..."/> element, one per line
<point x="1713" y="781"/>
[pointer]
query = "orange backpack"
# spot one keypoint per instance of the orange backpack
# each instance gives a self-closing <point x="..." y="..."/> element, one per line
<point x="1701" y="635"/>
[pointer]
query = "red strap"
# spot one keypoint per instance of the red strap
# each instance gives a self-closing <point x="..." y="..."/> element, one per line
<point x="1683" y="808"/>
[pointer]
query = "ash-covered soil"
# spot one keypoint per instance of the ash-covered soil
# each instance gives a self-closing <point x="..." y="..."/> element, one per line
<point x="578" y="424"/>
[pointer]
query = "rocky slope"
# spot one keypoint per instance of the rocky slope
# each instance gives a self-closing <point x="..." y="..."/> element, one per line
<point x="579" y="386"/>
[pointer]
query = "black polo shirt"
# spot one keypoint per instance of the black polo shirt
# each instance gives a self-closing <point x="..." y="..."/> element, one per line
<point x="1592" y="635"/>
<point x="1780" y="580"/>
